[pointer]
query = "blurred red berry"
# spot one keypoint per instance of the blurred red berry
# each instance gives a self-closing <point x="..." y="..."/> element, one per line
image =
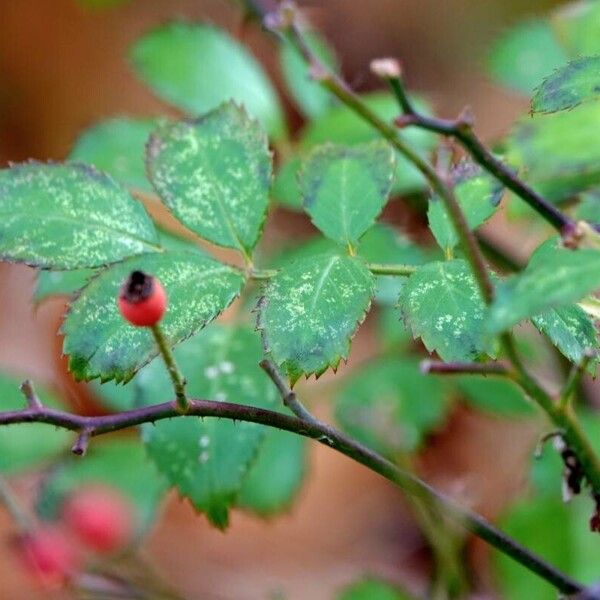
<point x="142" y="300"/>
<point x="50" y="555"/>
<point x="100" y="517"/>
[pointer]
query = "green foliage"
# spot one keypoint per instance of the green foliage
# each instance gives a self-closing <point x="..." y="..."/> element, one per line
<point x="196" y="67"/>
<point x="524" y="55"/>
<point x="344" y="188"/>
<point x="494" y="395"/>
<point x="577" y="26"/>
<point x="309" y="95"/>
<point x="207" y="460"/>
<point x="571" y="330"/>
<point x="371" y="588"/>
<point x="311" y="309"/>
<point x="30" y="445"/>
<point x="276" y="475"/>
<point x="101" y="4"/>
<point x="390" y="406"/>
<point x="69" y="216"/>
<point x="554" y="278"/>
<point x="442" y="305"/>
<point x="60" y="283"/>
<point x="214" y="175"/>
<point x="478" y="195"/>
<point x="285" y="185"/>
<point x="101" y="344"/>
<point x="576" y="82"/>
<point x="559" y="153"/>
<point x="589" y="207"/>
<point x="119" y="463"/>
<point x="341" y="125"/>
<point x="116" y="146"/>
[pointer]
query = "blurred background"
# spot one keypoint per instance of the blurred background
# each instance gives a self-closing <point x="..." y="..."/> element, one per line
<point x="63" y="67"/>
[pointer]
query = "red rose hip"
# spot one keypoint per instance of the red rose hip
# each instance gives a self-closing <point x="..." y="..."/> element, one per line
<point x="50" y="555"/>
<point x="142" y="300"/>
<point x="100" y="517"/>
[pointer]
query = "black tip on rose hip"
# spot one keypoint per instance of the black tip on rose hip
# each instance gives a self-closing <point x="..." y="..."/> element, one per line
<point x="137" y="287"/>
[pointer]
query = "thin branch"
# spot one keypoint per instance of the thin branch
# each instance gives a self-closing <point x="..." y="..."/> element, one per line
<point x="461" y="129"/>
<point x="285" y="21"/>
<point x="80" y="446"/>
<point x="458" y="368"/>
<point x="320" y="432"/>
<point x="31" y="397"/>
<point x="175" y="374"/>
<point x="397" y="270"/>
<point x="287" y="394"/>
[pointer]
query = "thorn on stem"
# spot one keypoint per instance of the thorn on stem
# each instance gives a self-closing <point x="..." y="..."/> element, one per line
<point x="80" y="446"/>
<point x="31" y="397"/>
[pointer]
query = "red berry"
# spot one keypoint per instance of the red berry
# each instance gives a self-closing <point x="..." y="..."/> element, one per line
<point x="100" y="517"/>
<point x="50" y="555"/>
<point x="142" y="300"/>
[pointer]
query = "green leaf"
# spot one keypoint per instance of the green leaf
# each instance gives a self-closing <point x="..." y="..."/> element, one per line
<point x="116" y="146"/>
<point x="344" y="188"/>
<point x="196" y="67"/>
<point x="577" y="26"/>
<point x="384" y="245"/>
<point x="390" y="406"/>
<point x="285" y="185"/>
<point x="28" y="445"/>
<point x="589" y="207"/>
<point x="310" y="97"/>
<point x="554" y="277"/>
<point x="60" y="283"/>
<point x="558" y="153"/>
<point x="442" y="305"/>
<point x="214" y="175"/>
<point x="571" y="331"/>
<point x="119" y="463"/>
<point x="341" y="125"/>
<point x="207" y="460"/>
<point x="478" y="195"/>
<point x="524" y="55"/>
<point x="576" y="82"/>
<point x="101" y="344"/>
<point x="310" y="311"/>
<point x="495" y="395"/>
<point x="371" y="588"/>
<point x="66" y="216"/>
<point x="275" y="477"/>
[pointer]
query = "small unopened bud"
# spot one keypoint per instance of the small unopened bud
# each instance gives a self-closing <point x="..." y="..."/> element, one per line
<point x="386" y="68"/>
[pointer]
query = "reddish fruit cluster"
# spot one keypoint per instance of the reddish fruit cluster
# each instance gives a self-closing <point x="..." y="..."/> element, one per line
<point x="97" y="518"/>
<point x="50" y="555"/>
<point x="142" y="300"/>
<point x="100" y="517"/>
